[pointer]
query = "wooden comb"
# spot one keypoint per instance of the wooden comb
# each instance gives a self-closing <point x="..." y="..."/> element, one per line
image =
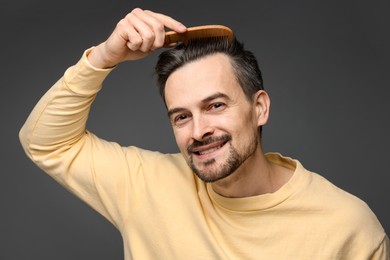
<point x="198" y="32"/>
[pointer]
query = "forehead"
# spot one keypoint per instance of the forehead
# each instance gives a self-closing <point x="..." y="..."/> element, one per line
<point x="201" y="78"/>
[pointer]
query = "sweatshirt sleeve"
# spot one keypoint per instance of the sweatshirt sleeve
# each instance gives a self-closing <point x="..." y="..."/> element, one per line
<point x="55" y="138"/>
<point x="61" y="114"/>
<point x="383" y="251"/>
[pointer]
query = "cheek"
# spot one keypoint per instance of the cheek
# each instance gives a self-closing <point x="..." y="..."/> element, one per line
<point x="181" y="139"/>
<point x="245" y="127"/>
<point x="240" y="122"/>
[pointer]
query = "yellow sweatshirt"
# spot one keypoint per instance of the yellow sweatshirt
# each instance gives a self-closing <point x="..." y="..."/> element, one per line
<point x="164" y="212"/>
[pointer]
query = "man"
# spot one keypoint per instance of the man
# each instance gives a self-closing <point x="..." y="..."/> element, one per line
<point x="221" y="197"/>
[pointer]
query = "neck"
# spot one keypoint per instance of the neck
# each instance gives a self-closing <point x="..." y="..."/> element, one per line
<point x="256" y="176"/>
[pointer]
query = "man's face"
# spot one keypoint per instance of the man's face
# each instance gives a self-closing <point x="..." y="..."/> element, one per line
<point x="215" y="126"/>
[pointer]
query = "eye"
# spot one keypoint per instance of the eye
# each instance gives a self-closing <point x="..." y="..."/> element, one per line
<point x="181" y="119"/>
<point x="217" y="106"/>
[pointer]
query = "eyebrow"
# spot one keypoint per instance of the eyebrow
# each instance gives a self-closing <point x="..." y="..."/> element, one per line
<point x="203" y="101"/>
<point x="215" y="96"/>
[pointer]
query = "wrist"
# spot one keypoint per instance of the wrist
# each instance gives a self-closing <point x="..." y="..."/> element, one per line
<point x="97" y="58"/>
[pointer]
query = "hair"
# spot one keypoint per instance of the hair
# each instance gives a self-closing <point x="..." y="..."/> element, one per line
<point x="244" y="63"/>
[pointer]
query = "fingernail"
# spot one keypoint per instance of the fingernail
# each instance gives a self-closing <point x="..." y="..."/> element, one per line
<point x="182" y="27"/>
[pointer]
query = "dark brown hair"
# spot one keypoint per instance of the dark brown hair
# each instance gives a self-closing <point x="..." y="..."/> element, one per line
<point x="244" y="63"/>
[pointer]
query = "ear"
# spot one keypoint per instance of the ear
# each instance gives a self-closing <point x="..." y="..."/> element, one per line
<point x="262" y="105"/>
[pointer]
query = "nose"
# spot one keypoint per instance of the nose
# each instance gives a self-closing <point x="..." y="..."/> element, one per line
<point x="201" y="127"/>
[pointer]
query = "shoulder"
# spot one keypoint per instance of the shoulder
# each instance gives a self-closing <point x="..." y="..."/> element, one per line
<point x="154" y="157"/>
<point x="156" y="164"/>
<point x="352" y="216"/>
<point x="163" y="176"/>
<point x="338" y="201"/>
<point x="336" y="198"/>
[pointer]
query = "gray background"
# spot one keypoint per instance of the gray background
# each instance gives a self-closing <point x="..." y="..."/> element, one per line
<point x="325" y="65"/>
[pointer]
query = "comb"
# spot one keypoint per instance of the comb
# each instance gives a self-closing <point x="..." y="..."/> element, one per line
<point x="198" y="32"/>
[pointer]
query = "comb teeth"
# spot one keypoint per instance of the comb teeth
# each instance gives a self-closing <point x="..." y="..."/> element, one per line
<point x="199" y="32"/>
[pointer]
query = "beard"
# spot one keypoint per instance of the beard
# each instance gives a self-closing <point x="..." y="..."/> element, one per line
<point x="210" y="170"/>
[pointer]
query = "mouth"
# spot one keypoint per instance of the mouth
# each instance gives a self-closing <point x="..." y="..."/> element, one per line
<point x="207" y="149"/>
<point x="209" y="146"/>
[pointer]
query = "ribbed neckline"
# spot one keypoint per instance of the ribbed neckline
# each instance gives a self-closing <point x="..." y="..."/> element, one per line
<point x="269" y="200"/>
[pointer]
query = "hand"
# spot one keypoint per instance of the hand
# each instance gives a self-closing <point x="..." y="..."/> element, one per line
<point x="134" y="37"/>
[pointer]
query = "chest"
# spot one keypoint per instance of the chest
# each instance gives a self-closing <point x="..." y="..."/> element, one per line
<point x="174" y="227"/>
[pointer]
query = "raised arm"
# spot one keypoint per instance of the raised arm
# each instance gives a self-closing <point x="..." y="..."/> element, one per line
<point x="55" y="136"/>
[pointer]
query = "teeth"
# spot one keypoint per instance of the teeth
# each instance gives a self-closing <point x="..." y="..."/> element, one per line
<point x="210" y="150"/>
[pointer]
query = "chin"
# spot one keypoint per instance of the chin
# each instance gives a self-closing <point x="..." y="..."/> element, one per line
<point x="215" y="172"/>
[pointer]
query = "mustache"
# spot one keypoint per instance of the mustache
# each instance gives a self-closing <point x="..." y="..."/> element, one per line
<point x="212" y="139"/>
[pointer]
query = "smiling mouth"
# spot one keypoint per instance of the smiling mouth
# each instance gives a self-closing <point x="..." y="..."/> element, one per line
<point x="209" y="150"/>
<point x="208" y="145"/>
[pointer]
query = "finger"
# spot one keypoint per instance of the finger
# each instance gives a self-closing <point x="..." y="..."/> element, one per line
<point x="159" y="22"/>
<point x="146" y="29"/>
<point x="134" y="41"/>
<point x="155" y="26"/>
<point x="149" y="28"/>
<point x="136" y="32"/>
<point x="146" y="33"/>
<point x="126" y="31"/>
<point x="168" y="21"/>
<point x="147" y="40"/>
